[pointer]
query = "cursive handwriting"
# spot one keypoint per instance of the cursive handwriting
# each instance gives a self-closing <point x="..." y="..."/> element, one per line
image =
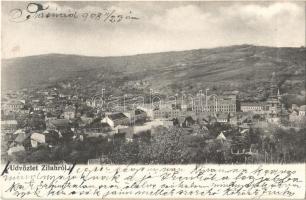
<point x="158" y="181"/>
<point x="38" y="11"/>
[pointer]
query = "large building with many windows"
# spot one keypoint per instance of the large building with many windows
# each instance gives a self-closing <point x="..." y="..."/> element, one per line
<point x="215" y="104"/>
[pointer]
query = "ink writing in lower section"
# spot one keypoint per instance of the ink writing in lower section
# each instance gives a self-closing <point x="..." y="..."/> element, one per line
<point x="281" y="181"/>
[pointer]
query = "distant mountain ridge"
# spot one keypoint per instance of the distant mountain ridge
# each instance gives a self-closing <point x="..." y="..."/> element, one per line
<point x="227" y="65"/>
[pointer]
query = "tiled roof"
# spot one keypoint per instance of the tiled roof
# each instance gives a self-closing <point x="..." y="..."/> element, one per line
<point x="60" y="122"/>
<point x="21" y="137"/>
<point x="139" y="111"/>
<point x="117" y="116"/>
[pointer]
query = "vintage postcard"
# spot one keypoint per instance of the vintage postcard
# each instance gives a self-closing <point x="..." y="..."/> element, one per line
<point x="153" y="99"/>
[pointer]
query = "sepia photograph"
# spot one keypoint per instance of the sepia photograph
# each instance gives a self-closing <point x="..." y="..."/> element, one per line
<point x="153" y="82"/>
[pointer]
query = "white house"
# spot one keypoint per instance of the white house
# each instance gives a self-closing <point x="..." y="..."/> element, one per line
<point x="37" y="138"/>
<point x="108" y="121"/>
<point x="302" y="111"/>
<point x="116" y="119"/>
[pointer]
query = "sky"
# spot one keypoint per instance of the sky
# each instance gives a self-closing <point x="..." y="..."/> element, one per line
<point x="161" y="26"/>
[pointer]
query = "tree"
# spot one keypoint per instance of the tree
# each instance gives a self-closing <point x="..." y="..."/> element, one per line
<point x="166" y="146"/>
<point x="127" y="153"/>
<point x="39" y="155"/>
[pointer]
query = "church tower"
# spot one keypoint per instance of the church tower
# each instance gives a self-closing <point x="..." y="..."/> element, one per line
<point x="273" y="101"/>
<point x="273" y="87"/>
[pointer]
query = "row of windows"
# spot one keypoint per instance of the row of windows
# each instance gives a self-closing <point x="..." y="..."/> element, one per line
<point x="220" y="108"/>
<point x="14" y="106"/>
<point x="251" y="108"/>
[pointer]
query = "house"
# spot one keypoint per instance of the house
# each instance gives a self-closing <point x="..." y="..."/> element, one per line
<point x="223" y="118"/>
<point x="49" y="108"/>
<point x="23" y="139"/>
<point x="50" y="116"/>
<point x="39" y="107"/>
<point x="47" y="137"/>
<point x="12" y="106"/>
<point x="214" y="103"/>
<point x="255" y="107"/>
<point x="9" y="126"/>
<point x="69" y="112"/>
<point x="15" y="149"/>
<point x="302" y="111"/>
<point x="149" y="112"/>
<point x="166" y="113"/>
<point x="24" y="111"/>
<point x="37" y="139"/>
<point x="140" y="115"/>
<point x="189" y="121"/>
<point x="97" y="126"/>
<point x="116" y="119"/>
<point x="297" y="115"/>
<point x="58" y="124"/>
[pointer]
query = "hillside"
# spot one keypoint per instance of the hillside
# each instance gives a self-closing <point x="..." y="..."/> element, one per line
<point x="234" y="67"/>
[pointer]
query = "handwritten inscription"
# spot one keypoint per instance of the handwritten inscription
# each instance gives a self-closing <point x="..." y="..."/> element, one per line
<point x="158" y="181"/>
<point x="38" y="11"/>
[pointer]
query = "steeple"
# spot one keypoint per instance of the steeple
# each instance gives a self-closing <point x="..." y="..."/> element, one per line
<point x="273" y="86"/>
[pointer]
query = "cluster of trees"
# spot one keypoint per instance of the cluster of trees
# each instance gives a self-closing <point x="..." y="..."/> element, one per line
<point x="289" y="99"/>
<point x="35" y="121"/>
<point x="179" y="146"/>
<point x="175" y="146"/>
